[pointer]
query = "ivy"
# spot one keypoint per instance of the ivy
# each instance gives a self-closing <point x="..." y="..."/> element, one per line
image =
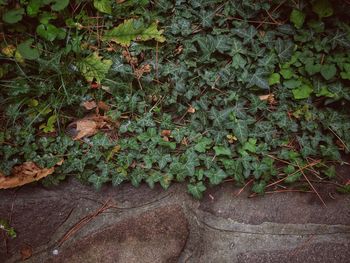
<point x="200" y="92"/>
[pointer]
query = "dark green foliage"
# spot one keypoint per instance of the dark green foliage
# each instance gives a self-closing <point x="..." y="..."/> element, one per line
<point x="228" y="93"/>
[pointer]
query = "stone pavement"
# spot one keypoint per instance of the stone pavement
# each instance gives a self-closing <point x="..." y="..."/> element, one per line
<point x="63" y="224"/>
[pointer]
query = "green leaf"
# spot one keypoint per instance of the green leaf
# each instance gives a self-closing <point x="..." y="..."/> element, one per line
<point x="346" y="73"/>
<point x="58" y="5"/>
<point x="133" y="30"/>
<point x="240" y="130"/>
<point x="94" y="67"/>
<point x="274" y="79"/>
<point x="34" y="6"/>
<point x="26" y="50"/>
<point x="50" y="32"/>
<point x="250" y="145"/>
<point x="104" y="6"/>
<point x="330" y="171"/>
<point x="323" y="8"/>
<point x="258" y="79"/>
<point x="297" y="17"/>
<point x="303" y="92"/>
<point x="215" y="176"/>
<point x="259" y="187"/>
<point x="203" y="144"/>
<point x="284" y="49"/>
<point x="328" y="71"/>
<point x="286" y="73"/>
<point x="97" y="180"/>
<point x="293" y="177"/>
<point x="13" y="16"/>
<point x="312" y="68"/>
<point x="196" y="189"/>
<point x="222" y="150"/>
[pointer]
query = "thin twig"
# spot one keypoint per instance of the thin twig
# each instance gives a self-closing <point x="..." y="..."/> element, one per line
<point x="313" y="188"/>
<point x="241" y="190"/>
<point x="84" y="221"/>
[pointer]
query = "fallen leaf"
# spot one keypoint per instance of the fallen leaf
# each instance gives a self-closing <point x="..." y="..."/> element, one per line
<point x="166" y="132"/>
<point x="86" y="127"/>
<point x="25" y="173"/>
<point x="103" y="106"/>
<point x="270" y="98"/>
<point x="26" y="252"/>
<point x="89" y="105"/>
<point x="264" y="97"/>
<point x="191" y="110"/>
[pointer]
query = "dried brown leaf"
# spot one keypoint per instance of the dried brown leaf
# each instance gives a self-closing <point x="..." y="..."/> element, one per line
<point x="103" y="106"/>
<point x="191" y="110"/>
<point x="26" y="252"/>
<point x="89" y="105"/>
<point x="166" y="132"/>
<point x="25" y="173"/>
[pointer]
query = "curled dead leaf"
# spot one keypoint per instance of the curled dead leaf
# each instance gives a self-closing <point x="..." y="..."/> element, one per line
<point x="89" y="105"/>
<point x="25" y="173"/>
<point x="86" y="127"/>
<point x="103" y="106"/>
<point x="191" y="110"/>
<point x="26" y="252"/>
<point x="166" y="132"/>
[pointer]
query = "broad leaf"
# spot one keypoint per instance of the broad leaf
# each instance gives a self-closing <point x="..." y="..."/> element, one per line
<point x="94" y="67"/>
<point x="133" y="30"/>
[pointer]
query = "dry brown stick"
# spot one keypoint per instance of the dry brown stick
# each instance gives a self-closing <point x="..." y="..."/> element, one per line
<point x="313" y="188"/>
<point x="241" y="190"/>
<point x="85" y="220"/>
<point x="274" y="10"/>
<point x="282" y="191"/>
<point x="304" y="167"/>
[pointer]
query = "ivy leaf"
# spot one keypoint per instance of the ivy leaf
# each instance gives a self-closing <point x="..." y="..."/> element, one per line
<point x="312" y="68"/>
<point x="284" y="49"/>
<point x="303" y="92"/>
<point x="97" y="180"/>
<point x="163" y="160"/>
<point x="133" y="30"/>
<point x="258" y="79"/>
<point x="50" y="32"/>
<point x="94" y="67"/>
<point x="247" y="34"/>
<point x="328" y="71"/>
<point x="13" y="16"/>
<point x="274" y="79"/>
<point x="26" y="50"/>
<point x="259" y="187"/>
<point x="196" y="189"/>
<point x="215" y="176"/>
<point x="104" y="6"/>
<point x="323" y="8"/>
<point x="297" y="17"/>
<point x="286" y="73"/>
<point x="58" y="5"/>
<point x="250" y="145"/>
<point x="240" y="130"/>
<point x="222" y="150"/>
<point x="203" y="144"/>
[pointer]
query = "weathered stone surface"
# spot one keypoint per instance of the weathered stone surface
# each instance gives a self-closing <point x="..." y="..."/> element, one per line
<point x="153" y="225"/>
<point x="154" y="236"/>
<point x="315" y="253"/>
<point x="295" y="208"/>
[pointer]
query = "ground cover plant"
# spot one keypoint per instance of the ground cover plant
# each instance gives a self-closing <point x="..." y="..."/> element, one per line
<point x="168" y="91"/>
